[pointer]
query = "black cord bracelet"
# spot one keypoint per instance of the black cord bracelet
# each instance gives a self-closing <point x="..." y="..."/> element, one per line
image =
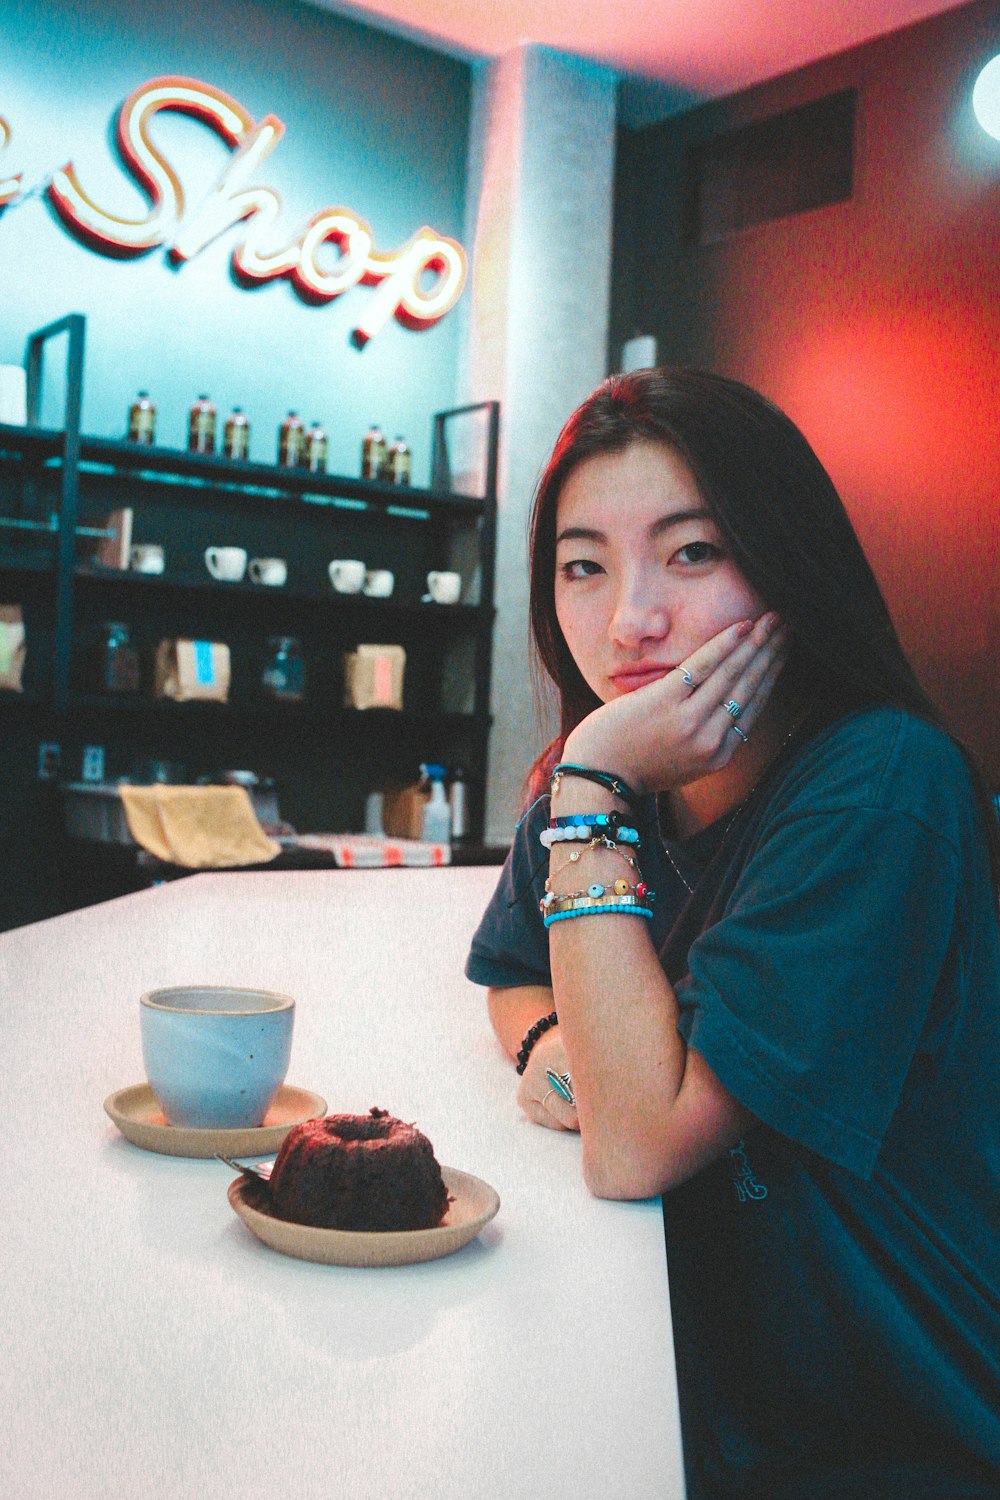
<point x="534" y="1034"/>
<point x="606" y="779"/>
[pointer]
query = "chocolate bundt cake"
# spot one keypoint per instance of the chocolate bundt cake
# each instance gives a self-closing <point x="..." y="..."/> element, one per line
<point x="369" y="1172"/>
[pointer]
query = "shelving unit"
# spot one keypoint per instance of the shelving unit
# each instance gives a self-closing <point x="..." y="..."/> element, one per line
<point x="57" y="487"/>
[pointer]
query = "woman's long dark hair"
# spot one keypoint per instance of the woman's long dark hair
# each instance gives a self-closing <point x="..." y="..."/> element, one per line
<point x="785" y="528"/>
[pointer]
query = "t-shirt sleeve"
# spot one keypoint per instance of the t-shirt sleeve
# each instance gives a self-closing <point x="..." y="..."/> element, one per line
<point x="511" y="945"/>
<point x="808" y="996"/>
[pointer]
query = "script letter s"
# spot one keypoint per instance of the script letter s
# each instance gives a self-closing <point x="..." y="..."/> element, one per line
<point x="146" y="165"/>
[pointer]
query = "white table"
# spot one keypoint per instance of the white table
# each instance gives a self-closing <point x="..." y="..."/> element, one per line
<point x="153" y="1347"/>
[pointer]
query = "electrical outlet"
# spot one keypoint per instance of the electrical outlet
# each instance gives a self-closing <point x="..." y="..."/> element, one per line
<point x="49" y="758"/>
<point x="93" y="763"/>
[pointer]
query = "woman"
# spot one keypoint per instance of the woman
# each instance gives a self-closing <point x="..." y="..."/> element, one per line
<point x="796" y="1039"/>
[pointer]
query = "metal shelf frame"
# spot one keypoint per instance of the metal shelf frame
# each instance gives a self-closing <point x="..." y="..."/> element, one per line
<point x="67" y="455"/>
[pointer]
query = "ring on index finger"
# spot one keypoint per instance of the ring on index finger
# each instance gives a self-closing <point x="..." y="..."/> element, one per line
<point x="733" y="709"/>
<point x="686" y="677"/>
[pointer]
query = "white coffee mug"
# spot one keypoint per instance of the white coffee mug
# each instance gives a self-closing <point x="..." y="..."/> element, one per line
<point x="147" y="557"/>
<point x="270" y="570"/>
<point x="444" y="588"/>
<point x="379" y="583"/>
<point x="347" y="574"/>
<point x="227" y="563"/>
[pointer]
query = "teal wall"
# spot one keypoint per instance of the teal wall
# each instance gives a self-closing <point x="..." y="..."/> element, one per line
<point x="373" y="123"/>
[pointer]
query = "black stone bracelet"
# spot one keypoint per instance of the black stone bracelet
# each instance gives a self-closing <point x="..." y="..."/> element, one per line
<point x="533" y="1034"/>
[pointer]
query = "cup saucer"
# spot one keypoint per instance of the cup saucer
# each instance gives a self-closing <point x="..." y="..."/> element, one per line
<point x="138" y="1116"/>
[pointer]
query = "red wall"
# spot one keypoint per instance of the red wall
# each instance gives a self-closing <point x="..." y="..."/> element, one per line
<point x="875" y="323"/>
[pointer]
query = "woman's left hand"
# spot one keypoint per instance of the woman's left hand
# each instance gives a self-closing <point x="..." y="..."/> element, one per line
<point x="677" y="728"/>
<point x="540" y="1101"/>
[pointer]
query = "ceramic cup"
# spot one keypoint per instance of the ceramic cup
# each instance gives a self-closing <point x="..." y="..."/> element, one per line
<point x="379" y="583"/>
<point x="270" y="570"/>
<point x="444" y="588"/>
<point x="347" y="574"/>
<point x="227" y="563"/>
<point x="215" y="1057"/>
<point x="147" y="557"/>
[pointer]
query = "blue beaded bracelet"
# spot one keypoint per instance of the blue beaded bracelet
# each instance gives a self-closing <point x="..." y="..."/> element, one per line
<point x="597" y="911"/>
<point x="588" y="820"/>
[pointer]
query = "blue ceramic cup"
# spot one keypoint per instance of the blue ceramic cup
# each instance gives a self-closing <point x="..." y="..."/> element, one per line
<point x="215" y="1057"/>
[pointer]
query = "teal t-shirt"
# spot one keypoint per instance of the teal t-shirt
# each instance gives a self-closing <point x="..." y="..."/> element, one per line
<point x="835" y="1279"/>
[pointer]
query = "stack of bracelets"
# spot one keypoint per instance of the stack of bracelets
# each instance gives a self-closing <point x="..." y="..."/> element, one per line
<point x="607" y="830"/>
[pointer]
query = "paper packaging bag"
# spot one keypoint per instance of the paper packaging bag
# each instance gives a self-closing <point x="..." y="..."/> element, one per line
<point x="12" y="647"/>
<point x="190" y="670"/>
<point x="373" y="678"/>
<point x="114" y="551"/>
<point x="403" y="812"/>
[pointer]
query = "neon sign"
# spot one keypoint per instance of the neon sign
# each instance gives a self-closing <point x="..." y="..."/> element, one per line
<point x="399" y="276"/>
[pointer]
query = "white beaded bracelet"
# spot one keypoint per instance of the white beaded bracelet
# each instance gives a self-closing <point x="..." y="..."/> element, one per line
<point x="550" y="836"/>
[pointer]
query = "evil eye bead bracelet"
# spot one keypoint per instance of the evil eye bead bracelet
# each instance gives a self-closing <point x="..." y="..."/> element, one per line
<point x="621" y="890"/>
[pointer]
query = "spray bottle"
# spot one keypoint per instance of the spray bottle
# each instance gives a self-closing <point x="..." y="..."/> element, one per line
<point x="436" y="826"/>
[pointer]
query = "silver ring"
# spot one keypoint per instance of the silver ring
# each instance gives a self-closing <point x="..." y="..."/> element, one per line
<point x="733" y="709"/>
<point x="545" y="1096"/>
<point x="686" y="677"/>
<point x="737" y="730"/>
<point x="561" y="1085"/>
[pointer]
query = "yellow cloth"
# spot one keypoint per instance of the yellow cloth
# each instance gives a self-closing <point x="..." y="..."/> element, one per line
<point x="200" y="827"/>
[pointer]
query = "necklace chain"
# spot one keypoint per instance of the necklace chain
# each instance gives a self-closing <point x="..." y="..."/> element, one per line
<point x="740" y="806"/>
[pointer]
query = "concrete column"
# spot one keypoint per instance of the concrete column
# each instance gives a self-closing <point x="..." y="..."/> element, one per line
<point x="538" y="229"/>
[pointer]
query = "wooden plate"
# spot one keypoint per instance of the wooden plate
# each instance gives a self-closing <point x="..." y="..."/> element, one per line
<point x="139" y="1118"/>
<point x="475" y="1204"/>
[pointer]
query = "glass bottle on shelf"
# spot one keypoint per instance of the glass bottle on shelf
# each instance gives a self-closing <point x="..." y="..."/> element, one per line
<point x="201" y="427"/>
<point x="236" y="435"/>
<point x="291" y="441"/>
<point x="396" y="464"/>
<point x="118" y="661"/>
<point x="372" y="453"/>
<point x="142" y="420"/>
<point x="283" y="673"/>
<point x="314" y="453"/>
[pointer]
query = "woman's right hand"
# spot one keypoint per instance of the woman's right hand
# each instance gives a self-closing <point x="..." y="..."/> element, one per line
<point x="540" y="1101"/>
<point x="673" y="731"/>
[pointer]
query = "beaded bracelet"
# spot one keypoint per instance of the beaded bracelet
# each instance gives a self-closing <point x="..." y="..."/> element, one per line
<point x="598" y="908"/>
<point x="606" y="779"/>
<point x="552" y="901"/>
<point x="619" y="835"/>
<point x="592" y="903"/>
<point x="534" y="1034"/>
<point x="588" y="820"/>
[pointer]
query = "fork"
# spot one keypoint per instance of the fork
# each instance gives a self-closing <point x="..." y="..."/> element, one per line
<point x="262" y="1173"/>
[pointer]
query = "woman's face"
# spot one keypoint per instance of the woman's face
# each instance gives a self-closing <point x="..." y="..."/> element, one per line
<point x="642" y="575"/>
